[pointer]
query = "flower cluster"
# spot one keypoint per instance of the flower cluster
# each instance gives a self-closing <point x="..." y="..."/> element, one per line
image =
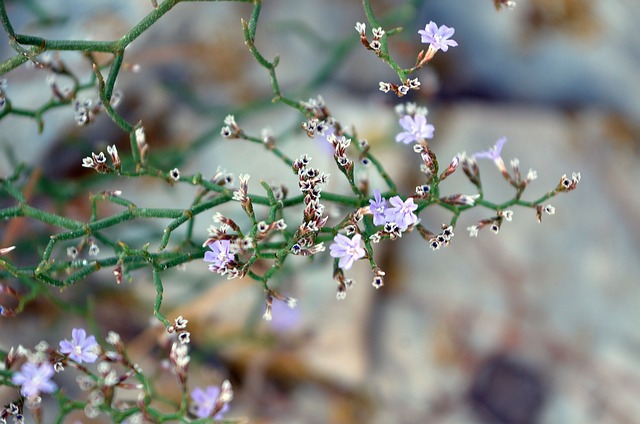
<point x="340" y="145"/>
<point x="86" y="111"/>
<point x="35" y="375"/>
<point x="99" y="161"/>
<point x="397" y="217"/>
<point x="438" y="38"/>
<point x="231" y="128"/>
<point x="310" y="182"/>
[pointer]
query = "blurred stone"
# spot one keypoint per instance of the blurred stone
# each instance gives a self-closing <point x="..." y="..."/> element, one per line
<point x="507" y="391"/>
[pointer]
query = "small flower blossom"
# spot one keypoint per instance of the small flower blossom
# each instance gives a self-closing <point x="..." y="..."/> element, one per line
<point x="219" y="255"/>
<point x="473" y="230"/>
<point x="184" y="337"/>
<point x="35" y="379"/>
<point x="378" y="32"/>
<point x="141" y="138"/>
<point x="115" y="157"/>
<point x="415" y="129"/>
<point x="348" y="250"/>
<point x="94" y="250"/>
<point x="378" y="206"/>
<point x="378" y="278"/>
<point x="81" y="348"/>
<point x="361" y="28"/>
<point x="414" y="84"/>
<point x="494" y="153"/>
<point x="384" y="86"/>
<point x="401" y="212"/>
<point x="204" y="402"/>
<point x="174" y="174"/>
<point x="180" y="323"/>
<point x="507" y="214"/>
<point x="438" y="38"/>
<point x="550" y="210"/>
<point x="72" y="252"/>
<point x="113" y="338"/>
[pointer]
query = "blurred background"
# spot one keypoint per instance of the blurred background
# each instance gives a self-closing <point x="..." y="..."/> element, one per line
<point x="538" y="324"/>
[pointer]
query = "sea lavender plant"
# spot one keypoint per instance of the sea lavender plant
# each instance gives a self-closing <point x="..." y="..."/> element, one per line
<point x="255" y="248"/>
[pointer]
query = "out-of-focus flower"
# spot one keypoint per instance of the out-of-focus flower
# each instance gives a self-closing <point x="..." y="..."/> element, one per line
<point x="494" y="153"/>
<point x="35" y="379"/>
<point x="415" y="129"/>
<point x="204" y="402"/>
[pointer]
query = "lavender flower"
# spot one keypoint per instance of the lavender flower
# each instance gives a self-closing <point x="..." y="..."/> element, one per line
<point x="378" y="207"/>
<point x="205" y="401"/>
<point x="348" y="250"/>
<point x="219" y="255"/>
<point x="438" y="38"/>
<point x="35" y="379"/>
<point x="416" y="128"/>
<point x="285" y="318"/>
<point x="81" y="348"/>
<point x="401" y="213"/>
<point x="494" y="153"/>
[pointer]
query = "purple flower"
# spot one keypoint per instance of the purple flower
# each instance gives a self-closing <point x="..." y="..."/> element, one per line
<point x="416" y="128"/>
<point x="81" y="348"/>
<point x="204" y="402"/>
<point x="402" y="212"/>
<point x="285" y="318"/>
<point x="219" y="255"/>
<point x="378" y="207"/>
<point x="325" y="144"/>
<point x="493" y="153"/>
<point x="35" y="379"/>
<point x="348" y="250"/>
<point x="438" y="38"/>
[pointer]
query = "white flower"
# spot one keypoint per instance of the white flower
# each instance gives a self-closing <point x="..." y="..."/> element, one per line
<point x="473" y="230"/>
<point x="378" y="32"/>
<point x="88" y="162"/>
<point x="141" y="138"/>
<point x="230" y="120"/>
<point x="531" y="175"/>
